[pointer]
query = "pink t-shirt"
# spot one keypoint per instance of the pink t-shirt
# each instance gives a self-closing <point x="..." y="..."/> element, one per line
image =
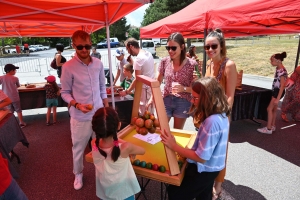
<point x="184" y="76"/>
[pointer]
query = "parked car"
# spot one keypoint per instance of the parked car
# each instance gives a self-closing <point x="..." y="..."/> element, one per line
<point x="114" y="42"/>
<point x="163" y="41"/>
<point x="32" y="48"/>
<point x="149" y="45"/>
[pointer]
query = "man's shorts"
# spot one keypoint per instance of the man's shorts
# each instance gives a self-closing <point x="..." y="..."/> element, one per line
<point x="15" y="106"/>
<point x="177" y="107"/>
<point x="51" y="103"/>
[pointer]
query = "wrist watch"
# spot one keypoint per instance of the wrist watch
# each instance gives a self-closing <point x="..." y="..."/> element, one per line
<point x="184" y="89"/>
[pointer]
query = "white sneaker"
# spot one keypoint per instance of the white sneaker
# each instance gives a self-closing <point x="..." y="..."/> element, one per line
<point x="78" y="181"/>
<point x="273" y="128"/>
<point x="265" y="130"/>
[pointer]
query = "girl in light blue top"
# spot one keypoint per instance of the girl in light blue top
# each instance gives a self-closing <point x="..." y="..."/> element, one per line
<point x="207" y="156"/>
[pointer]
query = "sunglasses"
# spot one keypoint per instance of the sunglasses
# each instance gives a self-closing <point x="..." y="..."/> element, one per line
<point x="80" y="47"/>
<point x="171" y="47"/>
<point x="213" y="46"/>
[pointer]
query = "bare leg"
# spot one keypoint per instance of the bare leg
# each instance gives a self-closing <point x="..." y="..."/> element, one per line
<point x="54" y="114"/>
<point x="217" y="190"/>
<point x="20" y="116"/>
<point x="270" y="113"/>
<point x="274" y="115"/>
<point x="48" y="115"/>
<point x="179" y="122"/>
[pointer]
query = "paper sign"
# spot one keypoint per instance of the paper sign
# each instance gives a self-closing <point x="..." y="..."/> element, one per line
<point x="151" y="138"/>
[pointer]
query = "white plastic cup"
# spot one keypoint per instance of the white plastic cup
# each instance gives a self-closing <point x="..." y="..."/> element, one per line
<point x="174" y="90"/>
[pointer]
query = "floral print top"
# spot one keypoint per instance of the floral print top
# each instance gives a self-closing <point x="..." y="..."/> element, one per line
<point x="50" y="92"/>
<point x="184" y="76"/>
<point x="277" y="75"/>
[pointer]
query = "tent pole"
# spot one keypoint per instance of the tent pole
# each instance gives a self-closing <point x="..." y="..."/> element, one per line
<point x="204" y="55"/>
<point x="109" y="56"/>
<point x="297" y="56"/>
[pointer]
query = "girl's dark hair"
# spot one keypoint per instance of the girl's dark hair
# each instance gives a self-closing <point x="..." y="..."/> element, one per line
<point x="177" y="37"/>
<point x="217" y="33"/>
<point x="280" y="56"/>
<point x="212" y="97"/>
<point x="55" y="86"/>
<point x="105" y="124"/>
<point x="60" y="47"/>
<point x="128" y="67"/>
<point x="191" y="51"/>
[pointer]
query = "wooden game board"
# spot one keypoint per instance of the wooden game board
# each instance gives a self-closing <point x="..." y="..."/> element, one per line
<point x="156" y="154"/>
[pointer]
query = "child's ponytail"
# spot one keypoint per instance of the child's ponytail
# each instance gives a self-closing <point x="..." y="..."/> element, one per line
<point x="116" y="149"/>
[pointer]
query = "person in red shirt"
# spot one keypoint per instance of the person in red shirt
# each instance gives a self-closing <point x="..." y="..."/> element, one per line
<point x="9" y="188"/>
<point x="26" y="48"/>
<point x="18" y="49"/>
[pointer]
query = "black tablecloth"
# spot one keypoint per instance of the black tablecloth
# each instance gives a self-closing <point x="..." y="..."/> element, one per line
<point x="251" y="102"/>
<point x="37" y="99"/>
<point x="10" y="135"/>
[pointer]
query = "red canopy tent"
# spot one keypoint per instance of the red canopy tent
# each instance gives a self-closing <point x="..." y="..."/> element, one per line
<point x="60" y="18"/>
<point x="234" y="17"/>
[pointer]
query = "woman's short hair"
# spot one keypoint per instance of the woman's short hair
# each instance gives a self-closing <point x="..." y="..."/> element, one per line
<point x="217" y="33"/>
<point x="60" y="47"/>
<point x="177" y="37"/>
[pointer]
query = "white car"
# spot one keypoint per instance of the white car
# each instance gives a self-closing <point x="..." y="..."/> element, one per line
<point x="32" y="48"/>
<point x="149" y="46"/>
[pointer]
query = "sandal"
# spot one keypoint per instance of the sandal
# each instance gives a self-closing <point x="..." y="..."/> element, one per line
<point x="48" y="124"/>
<point x="284" y="117"/>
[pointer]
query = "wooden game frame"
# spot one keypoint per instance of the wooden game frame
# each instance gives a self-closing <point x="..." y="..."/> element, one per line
<point x="164" y="125"/>
<point x="174" y="176"/>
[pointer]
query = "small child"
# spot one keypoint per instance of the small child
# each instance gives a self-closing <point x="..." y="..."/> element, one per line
<point x="115" y="178"/>
<point x="10" y="84"/>
<point x="277" y="91"/>
<point x="127" y="71"/>
<point x="52" y="92"/>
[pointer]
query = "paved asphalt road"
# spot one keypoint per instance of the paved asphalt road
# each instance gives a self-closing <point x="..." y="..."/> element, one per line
<point x="259" y="166"/>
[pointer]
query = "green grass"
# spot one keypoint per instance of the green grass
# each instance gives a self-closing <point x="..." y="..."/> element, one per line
<point x="253" y="54"/>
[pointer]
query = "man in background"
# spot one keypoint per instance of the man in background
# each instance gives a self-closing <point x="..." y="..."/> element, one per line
<point x="142" y="65"/>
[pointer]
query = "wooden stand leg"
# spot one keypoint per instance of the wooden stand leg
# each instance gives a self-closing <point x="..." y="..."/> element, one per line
<point x="143" y="188"/>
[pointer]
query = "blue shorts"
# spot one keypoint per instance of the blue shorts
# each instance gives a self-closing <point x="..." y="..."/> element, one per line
<point x="51" y="103"/>
<point x="177" y="107"/>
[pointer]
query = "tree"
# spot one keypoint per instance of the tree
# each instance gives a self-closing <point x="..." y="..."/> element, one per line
<point x="156" y="11"/>
<point x="134" y="33"/>
<point x="163" y="8"/>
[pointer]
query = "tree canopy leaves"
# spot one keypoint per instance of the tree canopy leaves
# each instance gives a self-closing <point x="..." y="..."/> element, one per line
<point x="163" y="8"/>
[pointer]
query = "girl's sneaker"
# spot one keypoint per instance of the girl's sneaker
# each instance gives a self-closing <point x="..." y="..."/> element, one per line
<point x="273" y="128"/>
<point x="265" y="130"/>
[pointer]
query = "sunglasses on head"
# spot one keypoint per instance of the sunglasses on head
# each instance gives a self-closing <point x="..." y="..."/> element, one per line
<point x="171" y="47"/>
<point x="80" y="47"/>
<point x="213" y="46"/>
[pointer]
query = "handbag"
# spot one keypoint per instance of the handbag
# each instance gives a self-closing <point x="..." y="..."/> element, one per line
<point x="53" y="63"/>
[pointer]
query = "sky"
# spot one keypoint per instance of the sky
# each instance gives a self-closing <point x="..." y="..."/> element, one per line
<point x="135" y="18"/>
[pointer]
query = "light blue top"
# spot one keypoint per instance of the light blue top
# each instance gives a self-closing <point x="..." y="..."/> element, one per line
<point x="85" y="84"/>
<point x="211" y="143"/>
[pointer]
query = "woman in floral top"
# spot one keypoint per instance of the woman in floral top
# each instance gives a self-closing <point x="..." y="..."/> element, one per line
<point x="52" y="92"/>
<point x="178" y="69"/>
<point x="277" y="91"/>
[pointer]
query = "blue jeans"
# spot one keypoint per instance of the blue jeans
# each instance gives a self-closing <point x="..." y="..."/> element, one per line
<point x="13" y="192"/>
<point x="177" y="107"/>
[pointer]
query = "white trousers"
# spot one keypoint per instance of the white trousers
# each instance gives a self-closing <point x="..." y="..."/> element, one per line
<point x="80" y="134"/>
